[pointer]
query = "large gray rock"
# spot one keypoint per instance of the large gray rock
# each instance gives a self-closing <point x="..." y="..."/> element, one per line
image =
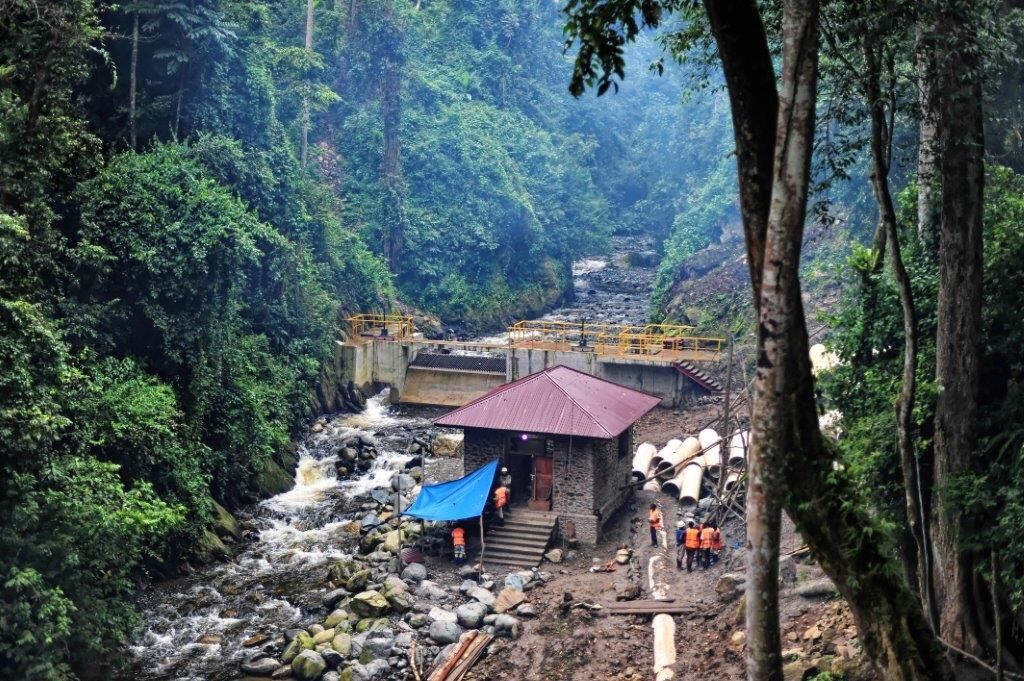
<point x="225" y="524"/>
<point x="210" y="548"/>
<point x="377" y="669"/>
<point x="482" y="595"/>
<point x="441" y="615"/>
<point x="402" y="482"/>
<point x="444" y="632"/>
<point x="515" y="581"/>
<point x="379" y="643"/>
<point x="819" y="588"/>
<point x="264" y="666"/>
<point x="471" y="615"/>
<point x="731" y="586"/>
<point x="414" y="572"/>
<point x="506" y="625"/>
<point x="369" y="604"/>
<point x="309" y="665"/>
<point x="430" y="591"/>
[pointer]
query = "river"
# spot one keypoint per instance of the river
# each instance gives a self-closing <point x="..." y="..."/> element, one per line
<point x="195" y="627"/>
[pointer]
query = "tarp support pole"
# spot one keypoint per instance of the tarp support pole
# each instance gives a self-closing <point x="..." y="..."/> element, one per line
<point x="480" y="572"/>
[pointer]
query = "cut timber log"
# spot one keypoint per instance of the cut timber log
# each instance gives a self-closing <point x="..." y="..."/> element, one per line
<point x="466" y="654"/>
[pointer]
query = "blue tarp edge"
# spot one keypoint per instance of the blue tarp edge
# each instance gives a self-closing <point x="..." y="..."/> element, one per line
<point x="456" y="499"/>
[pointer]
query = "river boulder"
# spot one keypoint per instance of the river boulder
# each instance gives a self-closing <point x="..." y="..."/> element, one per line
<point x="308" y="665"/>
<point x="369" y="604"/>
<point x="263" y="666"/>
<point x="444" y="632"/>
<point x="357" y="580"/>
<point x="471" y="615"/>
<point x="414" y="572"/>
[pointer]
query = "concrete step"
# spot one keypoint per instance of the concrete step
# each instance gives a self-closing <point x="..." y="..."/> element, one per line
<point x="502" y="556"/>
<point x="513" y="540"/>
<point x="510" y="561"/>
<point x="520" y="528"/>
<point x="503" y="547"/>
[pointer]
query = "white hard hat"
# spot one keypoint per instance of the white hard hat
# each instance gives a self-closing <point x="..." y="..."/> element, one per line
<point x="504" y="470"/>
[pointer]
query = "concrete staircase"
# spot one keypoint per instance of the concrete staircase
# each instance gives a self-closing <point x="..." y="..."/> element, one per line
<point x="521" y="541"/>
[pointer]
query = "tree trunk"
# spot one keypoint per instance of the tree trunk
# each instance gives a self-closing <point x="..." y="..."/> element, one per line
<point x="778" y="315"/>
<point x="305" y="100"/>
<point x="822" y="500"/>
<point x="133" y="81"/>
<point x="959" y="309"/>
<point x="746" y="61"/>
<point x="880" y="165"/>
<point x="927" y="152"/>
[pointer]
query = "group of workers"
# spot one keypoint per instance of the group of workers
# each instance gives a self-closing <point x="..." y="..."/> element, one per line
<point x="703" y="542"/>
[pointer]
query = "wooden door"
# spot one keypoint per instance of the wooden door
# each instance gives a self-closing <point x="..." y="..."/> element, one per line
<point x="543" y="481"/>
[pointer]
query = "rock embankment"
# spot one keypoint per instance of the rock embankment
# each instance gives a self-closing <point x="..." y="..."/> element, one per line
<point x="377" y="610"/>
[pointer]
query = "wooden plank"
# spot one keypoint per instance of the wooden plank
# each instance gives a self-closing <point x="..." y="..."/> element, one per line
<point x="470" y="656"/>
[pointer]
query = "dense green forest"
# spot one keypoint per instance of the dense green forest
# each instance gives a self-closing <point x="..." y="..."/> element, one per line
<point x="193" y="193"/>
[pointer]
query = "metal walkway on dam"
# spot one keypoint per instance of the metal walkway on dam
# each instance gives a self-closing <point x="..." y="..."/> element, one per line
<point x="659" y="359"/>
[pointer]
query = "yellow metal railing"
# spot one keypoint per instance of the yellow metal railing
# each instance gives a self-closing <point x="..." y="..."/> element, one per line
<point x="395" y="326"/>
<point x="613" y="339"/>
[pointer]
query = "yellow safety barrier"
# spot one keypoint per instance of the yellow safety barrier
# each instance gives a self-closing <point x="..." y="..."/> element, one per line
<point x="396" y="326"/>
<point x="613" y="339"/>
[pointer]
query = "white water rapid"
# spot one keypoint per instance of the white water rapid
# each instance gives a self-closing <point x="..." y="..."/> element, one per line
<point x="194" y="626"/>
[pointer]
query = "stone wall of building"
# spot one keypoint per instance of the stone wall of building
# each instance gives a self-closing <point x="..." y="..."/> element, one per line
<point x="615" y="472"/>
<point x="586" y="479"/>
<point x="480" y="447"/>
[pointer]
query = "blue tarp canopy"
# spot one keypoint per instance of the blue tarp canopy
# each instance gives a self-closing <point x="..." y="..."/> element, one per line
<point x="455" y="499"/>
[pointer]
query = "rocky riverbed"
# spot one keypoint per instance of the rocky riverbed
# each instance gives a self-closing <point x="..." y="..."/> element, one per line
<point x="316" y="589"/>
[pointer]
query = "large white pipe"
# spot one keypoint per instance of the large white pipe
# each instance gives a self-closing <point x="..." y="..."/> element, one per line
<point x="670" y="446"/>
<point x="738" y="448"/>
<point x="642" y="460"/>
<point x="664" y="646"/>
<point x="730" y="480"/>
<point x="689" y="489"/>
<point x="667" y="468"/>
<point x="651" y="486"/>
<point x="711" y="444"/>
<point x="822" y="359"/>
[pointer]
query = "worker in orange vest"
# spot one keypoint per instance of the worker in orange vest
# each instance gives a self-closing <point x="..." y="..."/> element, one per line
<point x="459" y="545"/>
<point x="501" y="501"/>
<point x="705" y="546"/>
<point x="654" y="518"/>
<point x="691" y="543"/>
<point x="717" y="543"/>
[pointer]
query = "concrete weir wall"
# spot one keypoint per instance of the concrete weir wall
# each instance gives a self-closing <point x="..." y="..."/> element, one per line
<point x="373" y="363"/>
<point x="391" y="363"/>
<point x="651" y="376"/>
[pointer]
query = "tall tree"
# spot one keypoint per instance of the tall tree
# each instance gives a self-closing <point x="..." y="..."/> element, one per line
<point x="823" y="501"/>
<point x="305" y="99"/>
<point x="961" y="137"/>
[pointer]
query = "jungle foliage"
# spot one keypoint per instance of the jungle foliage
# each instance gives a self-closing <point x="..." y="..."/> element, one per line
<point x="189" y="201"/>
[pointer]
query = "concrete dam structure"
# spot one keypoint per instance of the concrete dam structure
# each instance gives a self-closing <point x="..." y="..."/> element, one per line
<point x="387" y="351"/>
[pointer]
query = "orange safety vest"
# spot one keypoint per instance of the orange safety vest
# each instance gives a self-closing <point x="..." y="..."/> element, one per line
<point x="500" y="497"/>
<point x="705" y="538"/>
<point x="655" y="519"/>
<point x="459" y="536"/>
<point x="692" y="540"/>
<point x="717" y="541"/>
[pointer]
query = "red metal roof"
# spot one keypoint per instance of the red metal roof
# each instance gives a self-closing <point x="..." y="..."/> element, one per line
<point x="558" y="401"/>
